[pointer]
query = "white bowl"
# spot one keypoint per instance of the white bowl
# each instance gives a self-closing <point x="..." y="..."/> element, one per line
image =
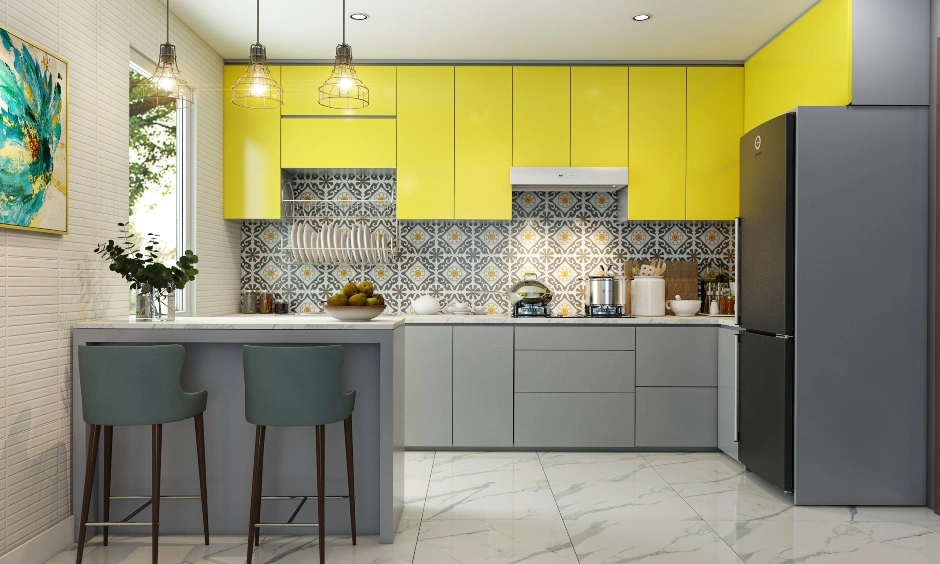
<point x="684" y="308"/>
<point x="426" y="305"/>
<point x="353" y="313"/>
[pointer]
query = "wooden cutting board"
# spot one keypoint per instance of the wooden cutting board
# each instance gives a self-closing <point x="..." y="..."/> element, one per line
<point x="681" y="279"/>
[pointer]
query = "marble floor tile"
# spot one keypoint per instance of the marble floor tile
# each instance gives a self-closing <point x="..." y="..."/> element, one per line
<point x="622" y="502"/>
<point x="698" y="470"/>
<point x="744" y="497"/>
<point x="564" y="469"/>
<point x="804" y="542"/>
<point x="918" y="543"/>
<point x="416" y="490"/>
<point x="418" y="463"/>
<point x="494" y="542"/>
<point x="664" y="542"/>
<point x="900" y="514"/>
<point x="665" y="458"/>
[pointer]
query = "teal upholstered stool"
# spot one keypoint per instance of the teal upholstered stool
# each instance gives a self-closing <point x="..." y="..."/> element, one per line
<point x="297" y="387"/>
<point x="124" y="386"/>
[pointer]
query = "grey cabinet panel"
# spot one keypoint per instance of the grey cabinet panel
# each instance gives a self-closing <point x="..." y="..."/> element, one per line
<point x="727" y="391"/>
<point x="483" y="358"/>
<point x="677" y="356"/>
<point x="575" y="338"/>
<point x="575" y="371"/>
<point x="574" y="420"/>
<point x="428" y="386"/>
<point x="676" y="417"/>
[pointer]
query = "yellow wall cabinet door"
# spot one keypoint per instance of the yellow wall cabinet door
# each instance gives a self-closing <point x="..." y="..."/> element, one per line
<point x="425" y="143"/>
<point x="251" y="156"/>
<point x="541" y="119"/>
<point x="657" y="143"/>
<point x="337" y="143"/>
<point x="715" y="126"/>
<point x="483" y="143"/>
<point x="599" y="116"/>
<point x="301" y="94"/>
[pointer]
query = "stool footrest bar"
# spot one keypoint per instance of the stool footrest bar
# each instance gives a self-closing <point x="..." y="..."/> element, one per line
<point x="120" y="524"/>
<point x="259" y="525"/>
<point x="114" y="497"/>
<point x="290" y="497"/>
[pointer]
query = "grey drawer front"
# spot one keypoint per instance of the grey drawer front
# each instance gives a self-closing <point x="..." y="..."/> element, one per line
<point x="677" y="356"/>
<point x="575" y="338"/>
<point x="482" y="386"/>
<point x="574" y="420"/>
<point x="575" y="371"/>
<point x="677" y="417"/>
<point x="428" y="386"/>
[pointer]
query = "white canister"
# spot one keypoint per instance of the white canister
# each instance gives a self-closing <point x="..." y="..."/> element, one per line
<point x="648" y="296"/>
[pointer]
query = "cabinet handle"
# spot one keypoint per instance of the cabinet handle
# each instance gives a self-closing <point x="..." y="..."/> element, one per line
<point x="737" y="385"/>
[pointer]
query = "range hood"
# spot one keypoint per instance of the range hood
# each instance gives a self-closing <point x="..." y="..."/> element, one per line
<point x="567" y="179"/>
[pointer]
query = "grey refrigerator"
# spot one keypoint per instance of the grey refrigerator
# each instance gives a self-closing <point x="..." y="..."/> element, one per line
<point x="832" y="302"/>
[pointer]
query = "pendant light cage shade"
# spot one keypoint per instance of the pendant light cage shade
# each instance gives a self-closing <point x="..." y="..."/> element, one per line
<point x="166" y="84"/>
<point x="343" y="90"/>
<point x="257" y="89"/>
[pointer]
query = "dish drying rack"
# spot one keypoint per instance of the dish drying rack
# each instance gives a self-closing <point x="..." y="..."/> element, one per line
<point x="381" y="244"/>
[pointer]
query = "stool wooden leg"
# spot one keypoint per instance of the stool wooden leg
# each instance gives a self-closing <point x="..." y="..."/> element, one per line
<point x="155" y="495"/>
<point x="255" y="494"/>
<point x="264" y="433"/>
<point x="86" y="494"/>
<point x="321" y="485"/>
<point x="201" y="456"/>
<point x="350" y="476"/>
<point x="108" y="437"/>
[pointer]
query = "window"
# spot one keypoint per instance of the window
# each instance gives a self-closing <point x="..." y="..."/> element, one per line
<point x="158" y="159"/>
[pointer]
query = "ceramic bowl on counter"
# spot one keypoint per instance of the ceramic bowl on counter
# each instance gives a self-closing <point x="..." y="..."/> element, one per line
<point x="684" y="308"/>
<point x="354" y="313"/>
<point x="426" y="305"/>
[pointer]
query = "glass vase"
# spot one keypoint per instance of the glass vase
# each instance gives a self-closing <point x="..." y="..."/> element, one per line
<point x="156" y="305"/>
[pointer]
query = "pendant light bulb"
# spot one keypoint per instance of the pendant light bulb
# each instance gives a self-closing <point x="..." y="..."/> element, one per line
<point x="343" y="90"/>
<point x="166" y="84"/>
<point x="257" y="89"/>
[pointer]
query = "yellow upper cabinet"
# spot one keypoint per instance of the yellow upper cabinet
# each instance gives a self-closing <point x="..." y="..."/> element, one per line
<point x="425" y="143"/>
<point x="541" y="124"/>
<point x="251" y="156"/>
<point x="809" y="64"/>
<point x="483" y="143"/>
<point x="337" y="143"/>
<point x="301" y="94"/>
<point x="599" y="116"/>
<point x="715" y="126"/>
<point x="657" y="143"/>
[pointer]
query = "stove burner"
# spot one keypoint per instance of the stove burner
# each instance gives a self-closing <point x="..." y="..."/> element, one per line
<point x="603" y="311"/>
<point x="521" y="309"/>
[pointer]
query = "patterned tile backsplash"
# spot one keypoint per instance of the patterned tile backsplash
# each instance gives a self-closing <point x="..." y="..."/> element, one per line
<point x="560" y="236"/>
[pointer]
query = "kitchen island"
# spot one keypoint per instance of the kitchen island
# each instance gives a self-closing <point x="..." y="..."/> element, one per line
<point x="373" y="367"/>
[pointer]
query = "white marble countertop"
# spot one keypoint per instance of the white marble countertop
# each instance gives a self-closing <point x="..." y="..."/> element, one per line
<point x="383" y="322"/>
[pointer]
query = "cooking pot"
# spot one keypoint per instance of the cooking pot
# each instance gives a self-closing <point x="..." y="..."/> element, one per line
<point x="606" y="289"/>
<point x="530" y="291"/>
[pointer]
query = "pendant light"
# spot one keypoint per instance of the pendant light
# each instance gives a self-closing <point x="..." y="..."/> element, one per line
<point x="343" y="90"/>
<point x="166" y="85"/>
<point x="257" y="89"/>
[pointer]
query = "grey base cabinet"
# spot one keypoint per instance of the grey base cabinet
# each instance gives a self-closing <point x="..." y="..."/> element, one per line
<point x="727" y="391"/>
<point x="483" y="358"/>
<point x="558" y="420"/>
<point x="677" y="356"/>
<point x="428" y="386"/>
<point x="673" y="417"/>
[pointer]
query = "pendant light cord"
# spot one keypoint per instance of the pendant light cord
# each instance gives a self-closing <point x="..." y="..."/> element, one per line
<point x="167" y="21"/>
<point x="258" y="24"/>
<point x="344" y="21"/>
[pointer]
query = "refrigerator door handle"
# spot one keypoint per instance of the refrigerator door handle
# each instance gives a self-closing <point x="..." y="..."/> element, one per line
<point x="737" y="271"/>
<point x="737" y="385"/>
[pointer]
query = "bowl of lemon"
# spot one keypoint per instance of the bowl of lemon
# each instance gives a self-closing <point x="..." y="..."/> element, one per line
<point x="355" y="302"/>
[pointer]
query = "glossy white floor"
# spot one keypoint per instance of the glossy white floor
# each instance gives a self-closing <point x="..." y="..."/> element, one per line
<point x="586" y="508"/>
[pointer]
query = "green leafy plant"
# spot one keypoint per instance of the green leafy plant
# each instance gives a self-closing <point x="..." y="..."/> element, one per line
<point x="139" y="266"/>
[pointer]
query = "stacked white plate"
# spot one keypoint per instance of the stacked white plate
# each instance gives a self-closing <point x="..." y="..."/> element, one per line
<point x="336" y="243"/>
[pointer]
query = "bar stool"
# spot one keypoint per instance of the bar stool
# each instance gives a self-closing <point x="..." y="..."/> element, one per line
<point x="124" y="386"/>
<point x="297" y="387"/>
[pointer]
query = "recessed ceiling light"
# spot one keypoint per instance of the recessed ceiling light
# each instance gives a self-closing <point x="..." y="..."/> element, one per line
<point x="642" y="17"/>
<point x="358" y="16"/>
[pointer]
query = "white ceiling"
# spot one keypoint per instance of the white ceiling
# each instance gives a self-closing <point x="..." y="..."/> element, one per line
<point x="495" y="30"/>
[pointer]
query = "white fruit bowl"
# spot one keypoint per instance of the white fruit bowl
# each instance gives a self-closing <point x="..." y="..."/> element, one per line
<point x="354" y="313"/>
<point x="684" y="308"/>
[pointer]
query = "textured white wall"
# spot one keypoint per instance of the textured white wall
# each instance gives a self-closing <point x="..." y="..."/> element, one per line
<point x="48" y="282"/>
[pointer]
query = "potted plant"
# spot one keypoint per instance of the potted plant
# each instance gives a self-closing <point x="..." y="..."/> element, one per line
<point x="154" y="281"/>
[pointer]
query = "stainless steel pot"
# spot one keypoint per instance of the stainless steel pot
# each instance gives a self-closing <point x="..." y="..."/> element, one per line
<point x="530" y="291"/>
<point x="601" y="290"/>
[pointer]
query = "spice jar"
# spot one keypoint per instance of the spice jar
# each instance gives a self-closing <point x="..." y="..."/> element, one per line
<point x="266" y="303"/>
<point x="249" y="301"/>
<point x="281" y="306"/>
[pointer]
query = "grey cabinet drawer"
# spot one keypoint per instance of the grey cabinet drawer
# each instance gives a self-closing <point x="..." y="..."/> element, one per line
<point x="575" y="338"/>
<point x="483" y="386"/>
<point x="575" y="371"/>
<point x="676" y="417"/>
<point x="428" y="386"/>
<point x="677" y="356"/>
<point x="574" y="420"/>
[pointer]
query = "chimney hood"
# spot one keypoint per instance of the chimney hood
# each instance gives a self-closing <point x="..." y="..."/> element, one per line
<point x="567" y="179"/>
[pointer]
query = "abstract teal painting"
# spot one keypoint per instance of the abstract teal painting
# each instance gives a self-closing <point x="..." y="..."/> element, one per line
<point x="33" y="137"/>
